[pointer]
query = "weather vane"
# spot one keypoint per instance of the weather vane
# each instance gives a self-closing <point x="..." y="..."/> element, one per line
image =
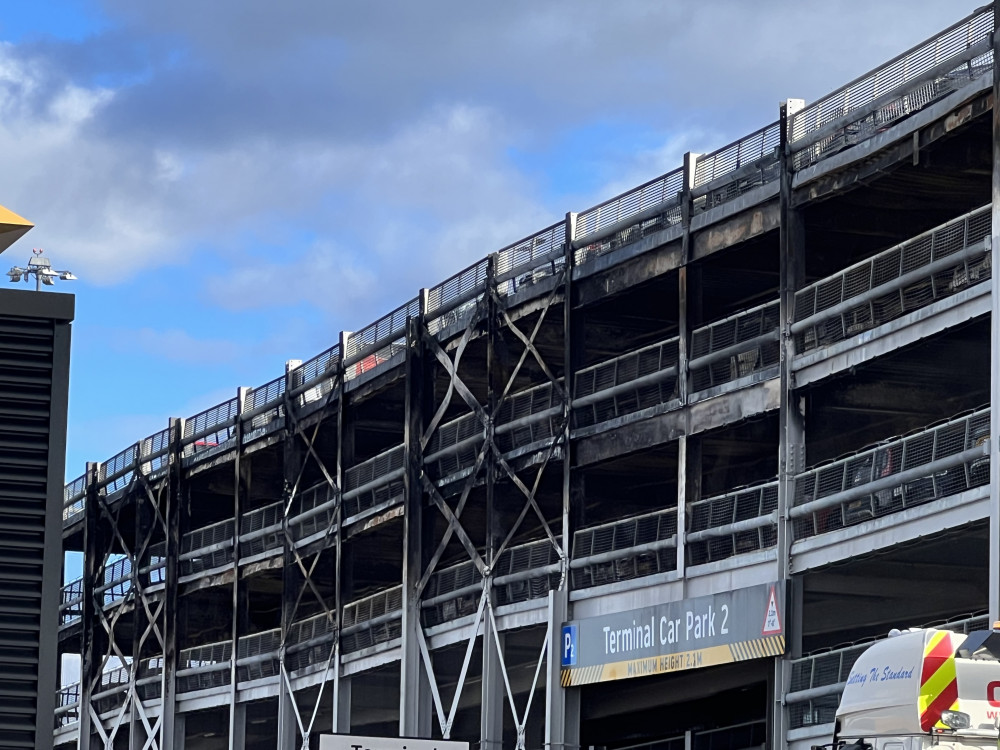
<point x="41" y="268"/>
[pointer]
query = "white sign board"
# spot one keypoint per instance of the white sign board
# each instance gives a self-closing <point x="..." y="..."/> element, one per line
<point x="356" y="742"/>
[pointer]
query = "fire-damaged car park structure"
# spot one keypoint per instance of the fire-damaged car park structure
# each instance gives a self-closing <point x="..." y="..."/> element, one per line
<point x="651" y="476"/>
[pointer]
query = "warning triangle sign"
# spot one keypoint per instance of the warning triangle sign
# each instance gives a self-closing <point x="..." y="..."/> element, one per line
<point x="772" y="620"/>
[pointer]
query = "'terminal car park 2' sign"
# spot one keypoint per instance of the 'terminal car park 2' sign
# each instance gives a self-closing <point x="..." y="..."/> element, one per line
<point x="717" y="629"/>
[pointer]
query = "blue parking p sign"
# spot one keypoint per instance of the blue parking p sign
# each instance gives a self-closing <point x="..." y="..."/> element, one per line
<point x="569" y="645"/>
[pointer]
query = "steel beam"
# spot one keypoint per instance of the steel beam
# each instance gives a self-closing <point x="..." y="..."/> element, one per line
<point x="414" y="688"/>
<point x="994" y="443"/>
<point x="288" y="736"/>
<point x="240" y="612"/>
<point x="172" y="726"/>
<point x="791" y="449"/>
<point x="562" y="705"/>
<point x="91" y="642"/>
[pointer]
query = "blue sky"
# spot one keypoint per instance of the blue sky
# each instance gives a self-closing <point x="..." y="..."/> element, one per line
<point x="234" y="185"/>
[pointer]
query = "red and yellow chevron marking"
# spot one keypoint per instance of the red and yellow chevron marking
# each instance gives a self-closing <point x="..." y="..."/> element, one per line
<point x="938" y="680"/>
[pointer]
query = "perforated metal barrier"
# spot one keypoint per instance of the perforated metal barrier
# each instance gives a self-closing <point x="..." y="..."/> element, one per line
<point x="378" y="342"/>
<point x="899" y="473"/>
<point x="634" y="381"/>
<point x="906" y="277"/>
<point x="375" y="483"/>
<point x="741" y="521"/>
<point x="654" y="206"/>
<point x="738" y="168"/>
<point x="210" y="432"/>
<point x="311" y="383"/>
<point x="735" y="347"/>
<point x="529" y="261"/>
<point x="525" y="418"/>
<point x="626" y="549"/>
<point x="906" y="84"/>
<point x="372" y="620"/>
<point x="264" y="410"/>
<point x="521" y="573"/>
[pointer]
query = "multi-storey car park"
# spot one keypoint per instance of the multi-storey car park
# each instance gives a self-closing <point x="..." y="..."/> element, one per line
<point x="765" y="371"/>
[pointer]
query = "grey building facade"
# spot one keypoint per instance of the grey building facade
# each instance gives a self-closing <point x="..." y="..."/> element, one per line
<point x="650" y="476"/>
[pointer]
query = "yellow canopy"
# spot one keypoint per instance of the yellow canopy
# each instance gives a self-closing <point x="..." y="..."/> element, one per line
<point x="12" y="227"/>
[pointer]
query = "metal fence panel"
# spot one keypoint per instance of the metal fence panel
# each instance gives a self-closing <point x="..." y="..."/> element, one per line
<point x="886" y="460"/>
<point x="902" y="86"/>
<point x="890" y="284"/>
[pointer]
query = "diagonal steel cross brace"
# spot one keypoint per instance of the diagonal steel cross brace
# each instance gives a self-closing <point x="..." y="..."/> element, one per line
<point x="520" y="722"/>
<point x="431" y="342"/>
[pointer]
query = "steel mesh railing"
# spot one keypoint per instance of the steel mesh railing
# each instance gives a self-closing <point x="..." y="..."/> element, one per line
<point x="953" y="451"/>
<point x="372" y="620"/>
<point x="210" y="432"/>
<point x="207" y="548"/>
<point x="315" y="511"/>
<point x="529" y="417"/>
<point x="454" y="446"/>
<point x="67" y="705"/>
<point x="524" y="418"/>
<point x="257" y="655"/>
<point x="117" y="582"/>
<point x="116" y="473"/>
<point x="71" y="602"/>
<point x="526" y="571"/>
<point x="634" y="381"/>
<point x="626" y="549"/>
<point x="830" y="669"/>
<point x="112" y="688"/>
<point x="154" y="452"/>
<point x="264" y="410"/>
<point x="904" y="85"/>
<point x="148" y="678"/>
<point x="204" y="667"/>
<point x="521" y="573"/>
<point x="310" y="642"/>
<point x="260" y="530"/>
<point x="74" y="500"/>
<point x="452" y="301"/>
<point x="733" y="170"/>
<point x="655" y="205"/>
<point x="376" y="343"/>
<point x="313" y="381"/>
<point x="735" y="347"/>
<point x="452" y="592"/>
<point x="532" y="259"/>
<point x="903" y="278"/>
<point x="377" y="482"/>
<point x="732" y="524"/>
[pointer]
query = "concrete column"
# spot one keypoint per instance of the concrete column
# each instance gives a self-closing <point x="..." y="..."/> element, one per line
<point x="342" y="706"/>
<point x="493" y="696"/>
<point x="177" y="730"/>
<point x="562" y="705"/>
<point x="237" y="722"/>
<point x="688" y="491"/>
